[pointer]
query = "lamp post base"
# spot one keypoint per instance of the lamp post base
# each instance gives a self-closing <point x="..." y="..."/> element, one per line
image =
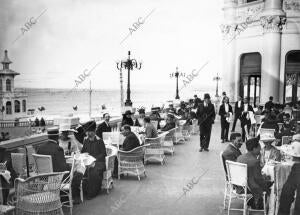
<point x="177" y="97"/>
<point x="128" y="103"/>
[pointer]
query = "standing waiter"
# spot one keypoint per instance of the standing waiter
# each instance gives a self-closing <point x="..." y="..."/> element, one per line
<point x="238" y="109"/>
<point x="206" y="117"/>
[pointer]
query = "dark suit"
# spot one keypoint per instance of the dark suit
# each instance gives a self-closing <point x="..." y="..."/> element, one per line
<point x="224" y="122"/>
<point x="289" y="189"/>
<point x="57" y="153"/>
<point x="197" y="101"/>
<point x="231" y="153"/>
<point x="269" y="105"/>
<point x="256" y="182"/>
<point x="103" y="127"/>
<point x="244" y="121"/>
<point x="206" y="117"/>
<point x="131" y="141"/>
<point x="237" y="113"/>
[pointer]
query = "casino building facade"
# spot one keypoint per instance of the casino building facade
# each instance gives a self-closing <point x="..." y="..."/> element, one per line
<point x="261" y="50"/>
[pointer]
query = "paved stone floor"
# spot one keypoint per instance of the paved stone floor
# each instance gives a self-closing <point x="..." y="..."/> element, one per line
<point x="161" y="192"/>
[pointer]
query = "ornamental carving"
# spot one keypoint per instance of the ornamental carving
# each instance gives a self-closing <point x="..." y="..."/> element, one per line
<point x="272" y="23"/>
<point x="251" y="11"/>
<point x="228" y="30"/>
<point x="291" y="5"/>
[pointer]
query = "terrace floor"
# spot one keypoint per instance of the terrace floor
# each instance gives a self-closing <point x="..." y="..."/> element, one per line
<point x="161" y="192"/>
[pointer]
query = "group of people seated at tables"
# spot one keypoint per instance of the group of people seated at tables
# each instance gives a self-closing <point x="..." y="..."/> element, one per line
<point x="261" y="151"/>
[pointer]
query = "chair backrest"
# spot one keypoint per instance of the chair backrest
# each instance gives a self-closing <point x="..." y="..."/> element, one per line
<point x="136" y="154"/>
<point x="170" y="133"/>
<point x="286" y="140"/>
<point x="43" y="163"/>
<point x="110" y="162"/>
<point x="19" y="163"/>
<point x="267" y="131"/>
<point x="116" y="137"/>
<point x="155" y="142"/>
<point x="223" y="164"/>
<point x="237" y="173"/>
<point x="30" y="151"/>
<point x="258" y="119"/>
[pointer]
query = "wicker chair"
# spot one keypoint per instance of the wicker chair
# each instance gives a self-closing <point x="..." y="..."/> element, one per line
<point x="107" y="182"/>
<point x="66" y="188"/>
<point x="116" y="138"/>
<point x="178" y="136"/>
<point x="19" y="164"/>
<point x="131" y="162"/>
<point x="43" y="163"/>
<point x="154" y="123"/>
<point x="168" y="144"/>
<point x="195" y="127"/>
<point x="227" y="187"/>
<point x="155" y="151"/>
<point x="39" y="194"/>
<point x="286" y="140"/>
<point x="30" y="151"/>
<point x="186" y="131"/>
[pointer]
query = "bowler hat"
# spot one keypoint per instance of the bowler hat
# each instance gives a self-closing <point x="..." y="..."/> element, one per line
<point x="206" y="96"/>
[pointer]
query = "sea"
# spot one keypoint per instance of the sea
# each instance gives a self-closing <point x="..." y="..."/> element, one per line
<point x="62" y="102"/>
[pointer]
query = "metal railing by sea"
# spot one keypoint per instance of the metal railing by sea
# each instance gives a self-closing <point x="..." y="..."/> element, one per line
<point x="11" y="124"/>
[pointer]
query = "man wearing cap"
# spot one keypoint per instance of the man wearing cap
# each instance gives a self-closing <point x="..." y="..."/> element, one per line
<point x="59" y="164"/>
<point x="292" y="185"/>
<point x="104" y="126"/>
<point x="256" y="182"/>
<point x="52" y="148"/>
<point x="206" y="116"/>
<point x="95" y="147"/>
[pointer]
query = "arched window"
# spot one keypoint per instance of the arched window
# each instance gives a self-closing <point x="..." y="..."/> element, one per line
<point x="17" y="106"/>
<point x="24" y="105"/>
<point x="8" y="85"/>
<point x="8" y="108"/>
<point x="1" y="88"/>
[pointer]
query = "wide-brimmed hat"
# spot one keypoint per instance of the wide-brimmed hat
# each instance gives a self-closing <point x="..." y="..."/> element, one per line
<point x="206" y="96"/>
<point x="266" y="137"/>
<point x="66" y="127"/>
<point x="292" y="150"/>
<point x="296" y="137"/>
<point x="89" y="126"/>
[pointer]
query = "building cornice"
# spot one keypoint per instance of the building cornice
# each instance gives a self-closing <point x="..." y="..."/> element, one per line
<point x="273" y="23"/>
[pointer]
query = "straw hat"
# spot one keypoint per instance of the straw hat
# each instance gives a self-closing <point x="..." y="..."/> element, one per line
<point x="296" y="137"/>
<point x="66" y="127"/>
<point x="267" y="137"/>
<point x="293" y="149"/>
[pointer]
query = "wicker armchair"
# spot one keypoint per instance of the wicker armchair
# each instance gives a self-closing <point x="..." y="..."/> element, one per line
<point x="131" y="162"/>
<point x="195" y="127"/>
<point x="39" y="194"/>
<point x="19" y="164"/>
<point x="154" y="152"/>
<point x="186" y="131"/>
<point x="168" y="144"/>
<point x="107" y="182"/>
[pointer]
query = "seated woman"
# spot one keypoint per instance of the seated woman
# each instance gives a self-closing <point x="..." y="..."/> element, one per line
<point x="170" y="123"/>
<point x="94" y="146"/>
<point x="140" y="120"/>
<point x="127" y="120"/>
<point x="269" y="152"/>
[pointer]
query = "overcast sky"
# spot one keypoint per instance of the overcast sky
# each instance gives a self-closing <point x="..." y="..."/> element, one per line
<point x="74" y="35"/>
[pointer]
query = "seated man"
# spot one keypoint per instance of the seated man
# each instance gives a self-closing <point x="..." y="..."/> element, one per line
<point x="170" y="123"/>
<point x="232" y="151"/>
<point x="150" y="130"/>
<point x="131" y="140"/>
<point x="256" y="183"/>
<point x="95" y="147"/>
<point x="104" y="126"/>
<point x="58" y="160"/>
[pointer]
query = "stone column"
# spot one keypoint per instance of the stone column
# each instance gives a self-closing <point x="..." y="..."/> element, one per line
<point x="272" y="20"/>
<point x="229" y="50"/>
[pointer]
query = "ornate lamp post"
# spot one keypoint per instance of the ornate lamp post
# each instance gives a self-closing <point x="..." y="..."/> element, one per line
<point x="177" y="75"/>
<point x="129" y="64"/>
<point x="217" y="79"/>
